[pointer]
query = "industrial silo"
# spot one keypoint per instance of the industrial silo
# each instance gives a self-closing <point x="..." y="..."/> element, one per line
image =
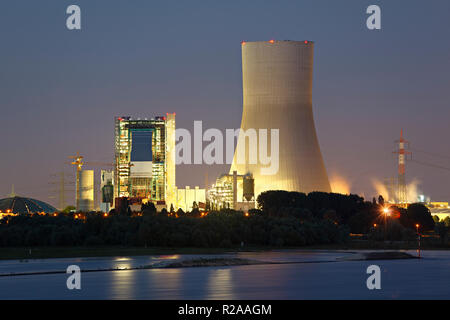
<point x="86" y="191"/>
<point x="277" y="94"/>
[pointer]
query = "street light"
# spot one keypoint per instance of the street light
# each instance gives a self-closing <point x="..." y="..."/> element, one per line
<point x="386" y="213"/>
<point x="418" y="237"/>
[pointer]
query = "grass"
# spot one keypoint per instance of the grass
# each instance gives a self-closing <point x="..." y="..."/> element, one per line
<point x="107" y="251"/>
<point x="117" y="251"/>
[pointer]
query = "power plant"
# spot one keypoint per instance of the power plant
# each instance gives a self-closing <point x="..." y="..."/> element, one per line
<point x="277" y="94"/>
<point x="145" y="160"/>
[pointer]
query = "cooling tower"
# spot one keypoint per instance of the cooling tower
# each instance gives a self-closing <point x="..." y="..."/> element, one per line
<point x="277" y="94"/>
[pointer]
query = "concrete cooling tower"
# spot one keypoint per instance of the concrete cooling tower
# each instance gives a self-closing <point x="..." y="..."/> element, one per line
<point x="277" y="92"/>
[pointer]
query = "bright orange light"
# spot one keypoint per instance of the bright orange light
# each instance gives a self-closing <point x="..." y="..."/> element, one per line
<point x="243" y="43"/>
<point x="386" y="210"/>
<point x="246" y="214"/>
<point x="271" y="41"/>
<point x="374" y="225"/>
<point x="105" y="214"/>
<point x="417" y="226"/>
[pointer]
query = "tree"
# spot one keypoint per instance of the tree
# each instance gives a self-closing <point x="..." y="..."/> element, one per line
<point x="68" y="209"/>
<point x="417" y="213"/>
<point x="331" y="215"/>
<point x="381" y="200"/>
<point x="447" y="221"/>
<point x="441" y="229"/>
<point x="148" y="209"/>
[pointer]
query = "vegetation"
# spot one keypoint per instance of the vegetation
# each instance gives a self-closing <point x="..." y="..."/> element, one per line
<point x="289" y="219"/>
<point x="217" y="229"/>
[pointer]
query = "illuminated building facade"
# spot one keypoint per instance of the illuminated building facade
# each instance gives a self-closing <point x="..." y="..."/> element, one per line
<point x="145" y="159"/>
<point x="185" y="198"/>
<point x="232" y="191"/>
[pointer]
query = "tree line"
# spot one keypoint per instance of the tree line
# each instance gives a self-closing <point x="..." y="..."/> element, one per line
<point x="281" y="219"/>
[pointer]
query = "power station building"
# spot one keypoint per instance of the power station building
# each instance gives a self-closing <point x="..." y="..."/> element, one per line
<point x="232" y="191"/>
<point x="145" y="160"/>
<point x="185" y="198"/>
<point x="107" y="190"/>
<point x="277" y="94"/>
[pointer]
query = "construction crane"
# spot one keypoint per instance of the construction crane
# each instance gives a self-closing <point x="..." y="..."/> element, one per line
<point x="79" y="163"/>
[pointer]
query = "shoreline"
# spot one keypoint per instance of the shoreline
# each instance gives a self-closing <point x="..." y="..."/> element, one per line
<point x="229" y="262"/>
<point x="14" y="253"/>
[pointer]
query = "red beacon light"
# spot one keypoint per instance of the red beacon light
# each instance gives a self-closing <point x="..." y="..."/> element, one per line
<point x="306" y="41"/>
<point x="243" y="43"/>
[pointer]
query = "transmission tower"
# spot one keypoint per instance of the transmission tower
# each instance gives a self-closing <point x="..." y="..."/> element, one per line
<point x="403" y="153"/>
<point x="61" y="183"/>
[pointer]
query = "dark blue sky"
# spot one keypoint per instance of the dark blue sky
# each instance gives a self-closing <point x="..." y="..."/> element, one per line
<point x="60" y="89"/>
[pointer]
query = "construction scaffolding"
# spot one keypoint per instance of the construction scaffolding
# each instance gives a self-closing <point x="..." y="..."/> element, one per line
<point x="145" y="159"/>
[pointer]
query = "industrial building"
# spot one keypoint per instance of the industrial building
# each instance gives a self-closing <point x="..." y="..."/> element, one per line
<point x="86" y="191"/>
<point x="145" y="160"/>
<point x="185" y="198"/>
<point x="233" y="191"/>
<point x="277" y="94"/>
<point x="107" y="190"/>
<point x="15" y="205"/>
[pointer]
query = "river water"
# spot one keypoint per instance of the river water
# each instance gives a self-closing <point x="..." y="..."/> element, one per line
<point x="299" y="274"/>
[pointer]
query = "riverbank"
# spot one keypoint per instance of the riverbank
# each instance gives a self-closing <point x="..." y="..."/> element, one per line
<point x="118" y="251"/>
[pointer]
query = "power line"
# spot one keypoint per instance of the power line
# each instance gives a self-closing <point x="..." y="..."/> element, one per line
<point x="432" y="154"/>
<point x="430" y="165"/>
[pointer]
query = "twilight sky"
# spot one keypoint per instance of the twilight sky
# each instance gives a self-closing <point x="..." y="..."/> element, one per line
<point x="60" y="89"/>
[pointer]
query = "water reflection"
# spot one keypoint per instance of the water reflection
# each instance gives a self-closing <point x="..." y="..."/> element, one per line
<point x="164" y="283"/>
<point x="122" y="282"/>
<point x="220" y="284"/>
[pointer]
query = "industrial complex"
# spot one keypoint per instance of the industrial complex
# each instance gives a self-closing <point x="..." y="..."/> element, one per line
<point x="277" y="95"/>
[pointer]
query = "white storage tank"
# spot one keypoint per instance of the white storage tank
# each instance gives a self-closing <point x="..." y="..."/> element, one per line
<point x="86" y="191"/>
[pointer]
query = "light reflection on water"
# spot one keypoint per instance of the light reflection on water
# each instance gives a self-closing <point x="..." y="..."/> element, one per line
<point x="164" y="283"/>
<point x="123" y="283"/>
<point x="173" y="283"/>
<point x="312" y="280"/>
<point x="220" y="284"/>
